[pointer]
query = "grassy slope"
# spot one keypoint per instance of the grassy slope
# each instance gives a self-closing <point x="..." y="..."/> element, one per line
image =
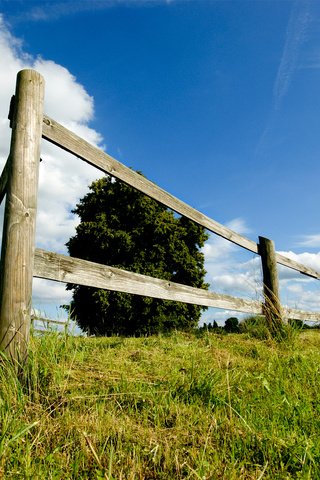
<point x="210" y="407"/>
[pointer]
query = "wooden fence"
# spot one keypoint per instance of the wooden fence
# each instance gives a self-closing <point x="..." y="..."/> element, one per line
<point x="21" y="261"/>
<point x="46" y="323"/>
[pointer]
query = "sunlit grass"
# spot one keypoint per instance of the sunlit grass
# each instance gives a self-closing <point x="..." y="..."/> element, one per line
<point x="169" y="407"/>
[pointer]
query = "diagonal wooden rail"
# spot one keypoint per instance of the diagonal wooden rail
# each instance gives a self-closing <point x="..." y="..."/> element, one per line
<point x="72" y="143"/>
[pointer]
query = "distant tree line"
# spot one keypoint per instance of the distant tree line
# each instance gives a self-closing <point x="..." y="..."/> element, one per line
<point x="255" y="323"/>
<point x="231" y="325"/>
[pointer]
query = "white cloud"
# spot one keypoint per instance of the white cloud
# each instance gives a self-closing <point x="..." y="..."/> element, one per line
<point x="311" y="260"/>
<point x="66" y="100"/>
<point x="234" y="272"/>
<point x="242" y="283"/>
<point x="312" y="241"/>
<point x="217" y="246"/>
<point x="297" y="290"/>
<point x="297" y="30"/>
<point x="230" y="269"/>
<point x="47" y="292"/>
<point x="11" y="61"/>
<point x="302" y="295"/>
<point x="57" y="9"/>
<point x="63" y="178"/>
<point x="295" y="36"/>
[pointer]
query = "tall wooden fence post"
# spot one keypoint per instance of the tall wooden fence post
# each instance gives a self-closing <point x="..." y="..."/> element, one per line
<point x="17" y="253"/>
<point x="272" y="306"/>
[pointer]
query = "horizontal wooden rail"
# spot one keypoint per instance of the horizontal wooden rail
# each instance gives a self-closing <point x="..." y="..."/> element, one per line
<point x="69" y="141"/>
<point x="65" y="269"/>
<point x="300" y="315"/>
<point x="34" y="318"/>
<point x="62" y="268"/>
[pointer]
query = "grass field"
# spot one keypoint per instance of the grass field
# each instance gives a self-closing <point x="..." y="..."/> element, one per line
<point x="183" y="406"/>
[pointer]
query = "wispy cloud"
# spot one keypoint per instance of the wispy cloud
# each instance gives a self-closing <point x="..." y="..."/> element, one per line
<point x="311" y="61"/>
<point x="312" y="241"/>
<point x="53" y="10"/>
<point x="295" y="36"/>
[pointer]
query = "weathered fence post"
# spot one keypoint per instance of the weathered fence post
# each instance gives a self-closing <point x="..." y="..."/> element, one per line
<point x="17" y="253"/>
<point x="272" y="306"/>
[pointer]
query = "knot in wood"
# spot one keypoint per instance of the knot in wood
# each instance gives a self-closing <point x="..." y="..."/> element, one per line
<point x="47" y="121"/>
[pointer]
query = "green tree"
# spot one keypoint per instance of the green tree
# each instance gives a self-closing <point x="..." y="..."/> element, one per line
<point x="121" y="227"/>
<point x="231" y="325"/>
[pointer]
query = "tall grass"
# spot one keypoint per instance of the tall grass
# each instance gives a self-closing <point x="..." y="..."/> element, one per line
<point x="166" y="407"/>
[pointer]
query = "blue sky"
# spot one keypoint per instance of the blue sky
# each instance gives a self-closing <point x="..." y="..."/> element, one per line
<point x="216" y="101"/>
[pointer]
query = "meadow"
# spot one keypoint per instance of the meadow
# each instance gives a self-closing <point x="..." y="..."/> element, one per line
<point x="182" y="406"/>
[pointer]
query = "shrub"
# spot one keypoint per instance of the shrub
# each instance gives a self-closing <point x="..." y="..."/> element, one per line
<point x="256" y="326"/>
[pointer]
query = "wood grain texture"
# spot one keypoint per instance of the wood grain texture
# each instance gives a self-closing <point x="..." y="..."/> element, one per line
<point x="17" y="253"/>
<point x="294" y="313"/>
<point x="59" y="135"/>
<point x="69" y="141"/>
<point x="61" y="268"/>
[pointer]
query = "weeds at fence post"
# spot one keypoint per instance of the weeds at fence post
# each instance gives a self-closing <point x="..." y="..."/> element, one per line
<point x="17" y="254"/>
<point x="272" y="306"/>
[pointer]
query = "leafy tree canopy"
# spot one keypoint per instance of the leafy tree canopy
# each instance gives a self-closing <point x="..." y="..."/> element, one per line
<point x="232" y="325"/>
<point x="121" y="227"/>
